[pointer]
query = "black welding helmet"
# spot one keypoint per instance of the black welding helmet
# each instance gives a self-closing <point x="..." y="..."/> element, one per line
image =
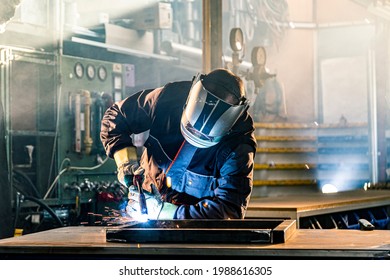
<point x="209" y="115"/>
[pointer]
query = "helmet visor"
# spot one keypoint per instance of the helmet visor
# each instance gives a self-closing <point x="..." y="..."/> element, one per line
<point x="207" y="118"/>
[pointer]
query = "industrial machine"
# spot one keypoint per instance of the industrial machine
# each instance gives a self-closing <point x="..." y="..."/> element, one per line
<point x="59" y="73"/>
<point x="56" y="156"/>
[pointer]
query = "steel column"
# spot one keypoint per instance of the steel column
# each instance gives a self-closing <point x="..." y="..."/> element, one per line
<point x="212" y="35"/>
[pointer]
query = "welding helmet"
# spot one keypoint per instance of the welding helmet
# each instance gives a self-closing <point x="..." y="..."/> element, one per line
<point x="213" y="106"/>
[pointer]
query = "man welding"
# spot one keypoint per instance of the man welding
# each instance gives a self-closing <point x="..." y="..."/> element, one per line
<point x="199" y="148"/>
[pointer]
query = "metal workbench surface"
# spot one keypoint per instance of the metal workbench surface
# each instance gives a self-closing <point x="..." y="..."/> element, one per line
<point x="310" y="204"/>
<point x="90" y="242"/>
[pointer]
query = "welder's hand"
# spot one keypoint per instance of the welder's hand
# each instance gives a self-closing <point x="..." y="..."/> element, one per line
<point x="153" y="203"/>
<point x="156" y="207"/>
<point x="127" y="171"/>
<point x="127" y="165"/>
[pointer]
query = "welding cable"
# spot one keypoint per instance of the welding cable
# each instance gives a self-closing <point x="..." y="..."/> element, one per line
<point x="47" y="208"/>
<point x="69" y="168"/>
<point x="17" y="173"/>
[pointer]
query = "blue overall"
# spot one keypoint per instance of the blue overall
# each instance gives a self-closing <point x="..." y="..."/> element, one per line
<point x="209" y="183"/>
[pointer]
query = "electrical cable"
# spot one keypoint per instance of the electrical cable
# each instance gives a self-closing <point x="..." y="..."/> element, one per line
<point x="22" y="196"/>
<point x="46" y="207"/>
<point x="54" y="182"/>
<point x="27" y="180"/>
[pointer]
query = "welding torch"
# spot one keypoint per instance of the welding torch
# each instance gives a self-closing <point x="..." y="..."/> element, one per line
<point x="137" y="180"/>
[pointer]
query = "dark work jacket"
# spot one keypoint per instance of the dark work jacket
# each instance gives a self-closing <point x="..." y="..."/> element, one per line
<point x="209" y="183"/>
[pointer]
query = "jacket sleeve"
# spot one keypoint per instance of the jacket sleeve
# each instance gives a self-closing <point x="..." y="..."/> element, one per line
<point x="232" y="192"/>
<point x="132" y="115"/>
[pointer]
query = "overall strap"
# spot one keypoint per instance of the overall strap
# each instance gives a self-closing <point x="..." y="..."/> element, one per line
<point x="175" y="171"/>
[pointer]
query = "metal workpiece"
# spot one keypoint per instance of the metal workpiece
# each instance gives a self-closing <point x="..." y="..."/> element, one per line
<point x="255" y="231"/>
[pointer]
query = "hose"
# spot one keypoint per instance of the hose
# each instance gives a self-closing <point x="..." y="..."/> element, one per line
<point x="47" y="208"/>
<point x="27" y="180"/>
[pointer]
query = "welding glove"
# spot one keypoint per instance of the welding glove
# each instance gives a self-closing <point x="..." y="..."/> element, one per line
<point x="127" y="165"/>
<point x="157" y="208"/>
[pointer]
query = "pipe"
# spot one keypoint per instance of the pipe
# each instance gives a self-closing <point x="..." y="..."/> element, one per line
<point x="77" y="118"/>
<point x="87" y="122"/>
<point x="175" y="49"/>
<point x="373" y="112"/>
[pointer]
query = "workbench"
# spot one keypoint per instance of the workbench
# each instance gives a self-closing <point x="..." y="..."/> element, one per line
<point x="89" y="242"/>
<point x="313" y="204"/>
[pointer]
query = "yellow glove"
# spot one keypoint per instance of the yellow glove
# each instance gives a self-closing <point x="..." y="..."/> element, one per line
<point x="127" y="165"/>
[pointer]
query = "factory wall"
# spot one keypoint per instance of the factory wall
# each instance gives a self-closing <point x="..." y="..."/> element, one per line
<point x="320" y="31"/>
<point x="292" y="59"/>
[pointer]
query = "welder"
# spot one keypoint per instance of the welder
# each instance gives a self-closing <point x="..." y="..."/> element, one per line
<point x="198" y="148"/>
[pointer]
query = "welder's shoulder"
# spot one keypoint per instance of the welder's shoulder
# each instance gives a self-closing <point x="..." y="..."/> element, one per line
<point x="162" y="94"/>
<point x="157" y="93"/>
<point x="180" y="86"/>
<point x="174" y="93"/>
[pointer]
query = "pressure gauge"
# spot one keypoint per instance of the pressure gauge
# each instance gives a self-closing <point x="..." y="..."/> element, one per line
<point x="258" y="56"/>
<point x="79" y="70"/>
<point x="236" y="39"/>
<point x="102" y="73"/>
<point x="91" y="72"/>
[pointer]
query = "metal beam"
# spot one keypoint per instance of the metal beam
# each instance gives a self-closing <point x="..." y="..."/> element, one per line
<point x="212" y="35"/>
<point x="381" y="85"/>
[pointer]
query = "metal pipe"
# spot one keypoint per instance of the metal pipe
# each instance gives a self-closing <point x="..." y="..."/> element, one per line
<point x="315" y="67"/>
<point x="87" y="122"/>
<point x="206" y="37"/>
<point x="77" y="124"/>
<point x="5" y="95"/>
<point x="178" y="50"/>
<point x="174" y="49"/>
<point x="373" y="129"/>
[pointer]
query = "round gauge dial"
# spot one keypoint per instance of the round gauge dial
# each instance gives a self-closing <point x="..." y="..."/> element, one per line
<point x="79" y="70"/>
<point x="236" y="39"/>
<point x="258" y="56"/>
<point x="91" y="72"/>
<point x="102" y="73"/>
